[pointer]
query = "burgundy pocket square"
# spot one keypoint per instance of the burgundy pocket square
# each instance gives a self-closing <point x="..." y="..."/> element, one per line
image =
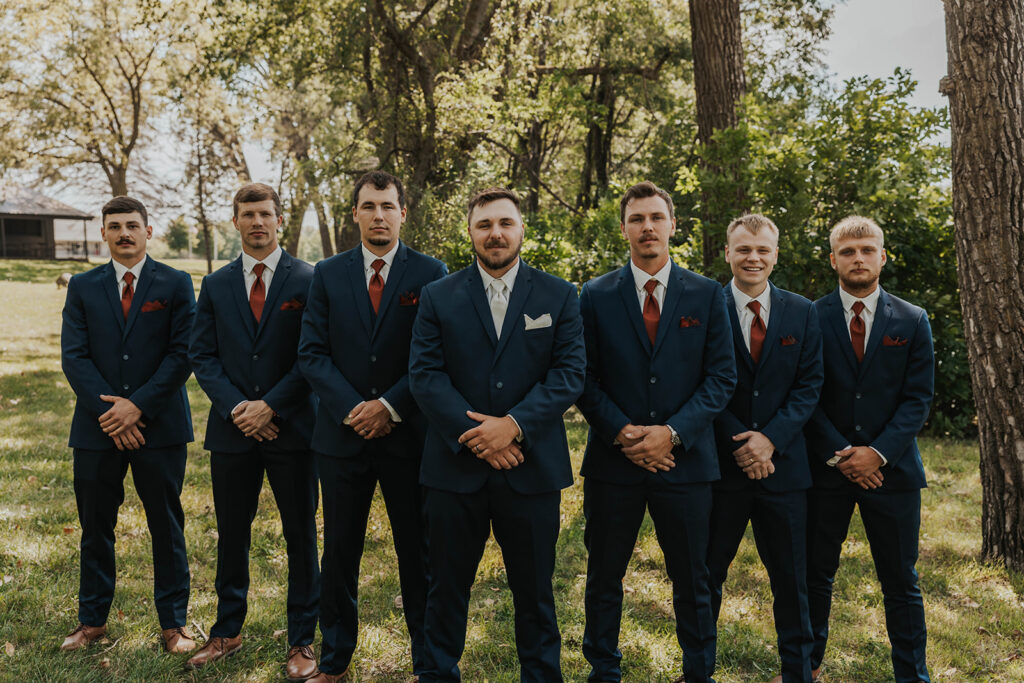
<point x="408" y="299"/>
<point x="897" y="341"/>
<point x="687" y="321"/>
<point x="292" y="305"/>
<point x="788" y="341"/>
<point x="150" y="306"/>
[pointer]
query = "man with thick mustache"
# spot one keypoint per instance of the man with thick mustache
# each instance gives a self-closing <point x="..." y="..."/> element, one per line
<point x="862" y="441"/>
<point x="660" y="368"/>
<point x="124" y="350"/>
<point x="497" y="358"/>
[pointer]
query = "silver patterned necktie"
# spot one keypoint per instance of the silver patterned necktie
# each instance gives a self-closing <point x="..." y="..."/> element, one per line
<point x="499" y="304"/>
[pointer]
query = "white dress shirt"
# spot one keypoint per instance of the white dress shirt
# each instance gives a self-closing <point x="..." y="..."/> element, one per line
<point x="640" y="278"/>
<point x="509" y="278"/>
<point x="369" y="257"/>
<point x="743" y="312"/>
<point x="248" y="263"/>
<point x="119" y="271"/>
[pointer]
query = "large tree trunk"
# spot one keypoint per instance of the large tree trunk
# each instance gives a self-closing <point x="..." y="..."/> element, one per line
<point x="985" y="45"/>
<point x="720" y="83"/>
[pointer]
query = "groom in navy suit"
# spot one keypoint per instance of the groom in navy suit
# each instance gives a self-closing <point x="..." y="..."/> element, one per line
<point x="243" y="351"/>
<point x="660" y="368"/>
<point x="124" y="350"/>
<point x="354" y="351"/>
<point x="862" y="438"/>
<point x="497" y="358"/>
<point x="761" y="449"/>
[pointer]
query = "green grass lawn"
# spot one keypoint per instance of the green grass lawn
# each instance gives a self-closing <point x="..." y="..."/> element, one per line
<point x="974" y="610"/>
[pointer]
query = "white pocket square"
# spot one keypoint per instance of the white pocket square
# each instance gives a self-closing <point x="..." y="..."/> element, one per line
<point x="537" y="323"/>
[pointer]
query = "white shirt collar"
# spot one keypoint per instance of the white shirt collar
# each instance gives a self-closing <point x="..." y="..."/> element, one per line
<point x="369" y="257"/>
<point x="509" y="278"/>
<point x="120" y="269"/>
<point x="870" y="301"/>
<point x="741" y="298"/>
<point x="640" y="277"/>
<point x="271" y="261"/>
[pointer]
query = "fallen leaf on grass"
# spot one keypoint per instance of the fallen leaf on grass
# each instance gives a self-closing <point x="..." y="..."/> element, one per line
<point x="628" y="590"/>
<point x="280" y="632"/>
<point x="9" y="648"/>
<point x="398" y="602"/>
<point x="105" y="663"/>
<point x="1013" y="657"/>
<point x="69" y="530"/>
<point x="949" y="673"/>
<point x="120" y="614"/>
<point x="7" y="579"/>
<point x="982" y="630"/>
<point x="32" y="479"/>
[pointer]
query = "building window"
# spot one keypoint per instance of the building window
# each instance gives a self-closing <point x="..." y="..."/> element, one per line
<point x="23" y="227"/>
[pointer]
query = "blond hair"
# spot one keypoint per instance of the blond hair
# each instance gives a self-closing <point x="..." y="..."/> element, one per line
<point x="754" y="223"/>
<point x="855" y="227"/>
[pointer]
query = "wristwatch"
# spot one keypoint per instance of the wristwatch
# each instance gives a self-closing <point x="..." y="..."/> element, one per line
<point x="676" y="441"/>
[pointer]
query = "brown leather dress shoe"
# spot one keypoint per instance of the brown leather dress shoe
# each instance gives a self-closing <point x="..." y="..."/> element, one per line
<point x="321" y="677"/>
<point x="177" y="640"/>
<point x="214" y="649"/>
<point x="301" y="664"/>
<point x="83" y="636"/>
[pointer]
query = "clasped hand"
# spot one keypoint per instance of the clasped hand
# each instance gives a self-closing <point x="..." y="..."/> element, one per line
<point x="755" y="456"/>
<point x="860" y="464"/>
<point x="254" y="418"/>
<point x="648" y="447"/>
<point x="122" y="423"/>
<point x="493" y="440"/>
<point x="371" y="420"/>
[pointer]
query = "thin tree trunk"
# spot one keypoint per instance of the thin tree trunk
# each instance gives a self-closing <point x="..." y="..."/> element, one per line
<point x="325" y="228"/>
<point x="200" y="202"/>
<point x="985" y="47"/>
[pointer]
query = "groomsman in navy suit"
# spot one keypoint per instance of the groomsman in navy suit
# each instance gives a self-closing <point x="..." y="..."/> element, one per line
<point x="497" y="358"/>
<point x="124" y="350"/>
<point x="660" y="368"/>
<point x="862" y="438"/>
<point x="243" y="352"/>
<point x="354" y="351"/>
<point x="761" y="449"/>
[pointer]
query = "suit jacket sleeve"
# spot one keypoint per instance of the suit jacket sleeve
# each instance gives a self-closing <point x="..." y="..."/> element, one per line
<point x="76" y="360"/>
<point x="444" y="406"/>
<point x="915" y="397"/>
<point x="715" y="390"/>
<point x="205" y="356"/>
<point x="563" y="382"/>
<point x="603" y="414"/>
<point x="728" y="425"/>
<point x="821" y="426"/>
<point x="802" y="398"/>
<point x="398" y="395"/>
<point x="315" y="362"/>
<point x="174" y="369"/>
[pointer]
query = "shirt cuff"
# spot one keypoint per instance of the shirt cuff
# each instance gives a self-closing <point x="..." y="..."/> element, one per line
<point x="834" y="460"/>
<point x="232" y="413"/>
<point x="395" y="417"/>
<point x="519" y="436"/>
<point x="884" y="461"/>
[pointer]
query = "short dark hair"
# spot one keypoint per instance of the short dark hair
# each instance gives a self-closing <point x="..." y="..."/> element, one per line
<point x="124" y="204"/>
<point x="492" y="194"/>
<point x="641" y="191"/>
<point x="255" y="192"/>
<point x="380" y="180"/>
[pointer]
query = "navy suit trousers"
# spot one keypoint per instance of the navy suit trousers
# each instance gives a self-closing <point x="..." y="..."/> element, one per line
<point x="99" y="491"/>
<point x="892" y="522"/>
<point x="779" y="521"/>
<point x="526" y="528"/>
<point x="614" y="513"/>
<point x="237" y="481"/>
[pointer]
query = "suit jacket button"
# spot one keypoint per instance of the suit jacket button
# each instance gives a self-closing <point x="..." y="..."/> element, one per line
<point x="857" y="428"/>
<point x="500" y="385"/>
<point x="255" y="356"/>
<point x="755" y="425"/>
<point x="653" y="380"/>
<point x="856" y="395"/>
<point x="124" y="357"/>
<point x="373" y="359"/>
<point x="654" y="413"/>
<point x="373" y="391"/>
<point x="256" y="388"/>
<point x="125" y="387"/>
<point x="756" y="393"/>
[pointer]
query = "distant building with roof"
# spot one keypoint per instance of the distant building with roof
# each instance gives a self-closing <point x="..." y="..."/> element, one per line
<point x="33" y="225"/>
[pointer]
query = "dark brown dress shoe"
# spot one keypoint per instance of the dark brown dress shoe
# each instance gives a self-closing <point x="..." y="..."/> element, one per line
<point x="301" y="664"/>
<point x="214" y="649"/>
<point x="177" y="640"/>
<point x="321" y="677"/>
<point x="83" y="636"/>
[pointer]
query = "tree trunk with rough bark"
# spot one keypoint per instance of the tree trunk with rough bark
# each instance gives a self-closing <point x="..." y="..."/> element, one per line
<point x="720" y="83"/>
<point x="985" y="47"/>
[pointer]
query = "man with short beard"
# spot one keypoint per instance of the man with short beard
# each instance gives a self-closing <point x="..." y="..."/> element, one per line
<point x="354" y="351"/>
<point x="497" y="358"/>
<point x="862" y="441"/>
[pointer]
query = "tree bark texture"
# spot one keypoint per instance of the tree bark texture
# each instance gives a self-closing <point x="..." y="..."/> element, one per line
<point x="985" y="46"/>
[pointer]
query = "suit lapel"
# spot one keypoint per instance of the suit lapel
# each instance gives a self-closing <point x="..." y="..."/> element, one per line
<point x="673" y="294"/>
<point x="357" y="282"/>
<point x="737" y="334"/>
<point x="520" y="292"/>
<point x="395" y="274"/>
<point x="284" y="270"/>
<point x="837" y="320"/>
<point x="149" y="274"/>
<point x="110" y="285"/>
<point x="475" y="291"/>
<point x="774" y="323"/>
<point x="883" y="312"/>
<point x="240" y="297"/>
<point x="627" y="289"/>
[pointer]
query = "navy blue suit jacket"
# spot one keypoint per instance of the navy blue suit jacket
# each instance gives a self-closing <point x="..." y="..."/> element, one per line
<point x="143" y="358"/>
<point x="458" y="364"/>
<point x="881" y="402"/>
<point x="349" y="355"/>
<point x="777" y="395"/>
<point x="684" y="380"/>
<point x="237" y="360"/>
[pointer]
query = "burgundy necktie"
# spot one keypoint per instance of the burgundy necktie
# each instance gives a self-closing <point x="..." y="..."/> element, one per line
<point x="376" y="286"/>
<point x="857" y="331"/>
<point x="258" y="293"/>
<point x="126" y="294"/>
<point x="757" y="331"/>
<point x="652" y="314"/>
